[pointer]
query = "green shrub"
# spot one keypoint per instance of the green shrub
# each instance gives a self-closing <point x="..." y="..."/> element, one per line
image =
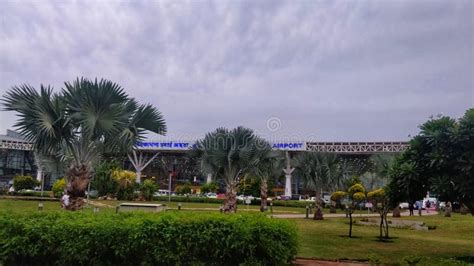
<point x="125" y="184"/>
<point x="209" y="187"/>
<point x="45" y="194"/>
<point x="103" y="181"/>
<point x="148" y="188"/>
<point x="76" y="238"/>
<point x="184" y="189"/>
<point x="24" y="182"/>
<point x="58" y="187"/>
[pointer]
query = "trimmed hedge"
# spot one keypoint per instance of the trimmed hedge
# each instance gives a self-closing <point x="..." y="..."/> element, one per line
<point x="284" y="203"/>
<point x="76" y="238"/>
<point x="46" y="194"/>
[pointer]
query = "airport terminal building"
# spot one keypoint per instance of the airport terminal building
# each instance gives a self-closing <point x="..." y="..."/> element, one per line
<point x="17" y="157"/>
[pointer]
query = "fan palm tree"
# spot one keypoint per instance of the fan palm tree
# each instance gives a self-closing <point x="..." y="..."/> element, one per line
<point x="80" y="123"/>
<point x="266" y="164"/>
<point x="320" y="172"/>
<point x="229" y="155"/>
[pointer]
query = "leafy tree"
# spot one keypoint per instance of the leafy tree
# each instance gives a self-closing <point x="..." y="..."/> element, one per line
<point x="464" y="181"/>
<point x="58" y="187"/>
<point x="229" y="155"/>
<point x="184" y="189"/>
<point x="382" y="205"/>
<point x="209" y="187"/>
<point x="21" y="182"/>
<point x="350" y="198"/>
<point x="103" y="181"/>
<point x="80" y="123"/>
<point x="147" y="189"/>
<point x="440" y="160"/>
<point x="320" y="172"/>
<point x="405" y="181"/>
<point x="249" y="186"/>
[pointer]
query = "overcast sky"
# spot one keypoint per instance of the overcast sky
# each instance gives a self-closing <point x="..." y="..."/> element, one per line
<point x="320" y="70"/>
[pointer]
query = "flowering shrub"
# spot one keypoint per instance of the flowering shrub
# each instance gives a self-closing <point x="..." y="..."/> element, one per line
<point x="126" y="184"/>
<point x="356" y="188"/>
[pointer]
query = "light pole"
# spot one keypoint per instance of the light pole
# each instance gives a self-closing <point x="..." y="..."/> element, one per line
<point x="171" y="174"/>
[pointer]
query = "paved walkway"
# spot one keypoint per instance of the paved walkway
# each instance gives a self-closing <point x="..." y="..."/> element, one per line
<point x="343" y="215"/>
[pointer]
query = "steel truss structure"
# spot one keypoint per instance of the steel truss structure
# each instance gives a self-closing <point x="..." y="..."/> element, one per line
<point x="15" y="145"/>
<point x="357" y="147"/>
<point x="331" y="147"/>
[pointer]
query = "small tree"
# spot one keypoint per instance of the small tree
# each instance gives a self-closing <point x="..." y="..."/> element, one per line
<point x="103" y="180"/>
<point x="209" y="187"/>
<point x="24" y="182"/>
<point x="147" y="189"/>
<point x="354" y="195"/>
<point x="184" y="189"/>
<point x="58" y="187"/>
<point x="381" y="203"/>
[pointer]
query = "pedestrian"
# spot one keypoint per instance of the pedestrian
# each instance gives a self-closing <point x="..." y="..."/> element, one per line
<point x="65" y="200"/>
<point x="419" y="206"/>
<point x="410" y="207"/>
<point x="428" y="206"/>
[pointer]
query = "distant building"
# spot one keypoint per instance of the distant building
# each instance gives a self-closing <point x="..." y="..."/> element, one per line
<point x="16" y="157"/>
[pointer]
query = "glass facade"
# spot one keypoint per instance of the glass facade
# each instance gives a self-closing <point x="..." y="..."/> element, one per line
<point x="15" y="162"/>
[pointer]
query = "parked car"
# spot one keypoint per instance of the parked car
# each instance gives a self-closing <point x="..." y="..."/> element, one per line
<point x="296" y="197"/>
<point x="243" y="197"/>
<point x="211" y="195"/>
<point x="404" y="205"/>
<point x="282" y="197"/>
<point x="162" y="192"/>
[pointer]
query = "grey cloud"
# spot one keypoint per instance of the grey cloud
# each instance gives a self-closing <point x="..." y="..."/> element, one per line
<point x="333" y="70"/>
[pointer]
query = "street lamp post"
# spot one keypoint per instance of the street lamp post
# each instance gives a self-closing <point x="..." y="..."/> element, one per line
<point x="172" y="173"/>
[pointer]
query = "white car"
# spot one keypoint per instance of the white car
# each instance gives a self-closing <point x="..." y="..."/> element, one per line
<point x="404" y="205"/>
<point x="243" y="197"/>
<point x="211" y="195"/>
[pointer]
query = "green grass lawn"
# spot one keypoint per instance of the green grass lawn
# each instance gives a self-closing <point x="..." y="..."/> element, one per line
<point x="453" y="237"/>
<point x="327" y="239"/>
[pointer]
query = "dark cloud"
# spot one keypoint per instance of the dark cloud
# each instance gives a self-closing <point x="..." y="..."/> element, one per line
<point x="329" y="70"/>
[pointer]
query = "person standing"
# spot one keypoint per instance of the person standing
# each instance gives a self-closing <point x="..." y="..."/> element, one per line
<point x="411" y="207"/>
<point x="65" y="200"/>
<point x="419" y="206"/>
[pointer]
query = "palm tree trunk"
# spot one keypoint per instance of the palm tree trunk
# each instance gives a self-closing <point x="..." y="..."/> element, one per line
<point x="386" y="226"/>
<point x="318" y="213"/>
<point x="230" y="203"/>
<point x="78" y="178"/>
<point x="263" y="194"/>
